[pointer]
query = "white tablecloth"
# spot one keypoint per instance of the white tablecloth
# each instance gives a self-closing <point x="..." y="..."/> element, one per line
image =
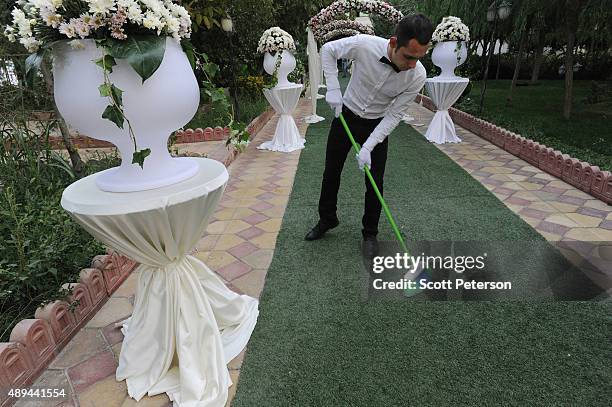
<point x="186" y="324"/>
<point x="444" y="93"/>
<point x="287" y="137"/>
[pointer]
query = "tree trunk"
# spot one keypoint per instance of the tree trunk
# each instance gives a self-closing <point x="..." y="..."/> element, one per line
<point x="75" y="158"/>
<point x="539" y="56"/>
<point x="499" y="54"/>
<point x="572" y="12"/>
<point x="485" y="52"/>
<point x="519" y="57"/>
<point x="569" y="75"/>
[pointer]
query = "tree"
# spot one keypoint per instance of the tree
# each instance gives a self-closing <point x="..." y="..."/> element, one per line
<point x="573" y="10"/>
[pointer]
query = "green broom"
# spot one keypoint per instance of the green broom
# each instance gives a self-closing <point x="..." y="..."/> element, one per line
<point x="388" y="214"/>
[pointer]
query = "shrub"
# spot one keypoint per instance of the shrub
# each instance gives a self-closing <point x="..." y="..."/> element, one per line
<point x="251" y="85"/>
<point x="41" y="247"/>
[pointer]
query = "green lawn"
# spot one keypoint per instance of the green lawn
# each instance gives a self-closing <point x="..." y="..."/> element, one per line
<point x="537" y="113"/>
<point x="318" y="343"/>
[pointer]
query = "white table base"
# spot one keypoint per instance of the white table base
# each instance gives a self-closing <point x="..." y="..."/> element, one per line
<point x="444" y="93"/>
<point x="186" y="324"/>
<point x="287" y="136"/>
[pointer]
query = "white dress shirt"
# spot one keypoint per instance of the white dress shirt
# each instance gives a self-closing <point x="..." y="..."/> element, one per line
<point x="375" y="89"/>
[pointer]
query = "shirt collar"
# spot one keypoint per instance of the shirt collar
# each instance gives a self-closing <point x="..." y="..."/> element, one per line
<point x="386" y="60"/>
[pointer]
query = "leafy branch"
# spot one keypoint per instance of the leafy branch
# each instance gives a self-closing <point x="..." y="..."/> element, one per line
<point x="144" y="54"/>
<point x="274" y="80"/>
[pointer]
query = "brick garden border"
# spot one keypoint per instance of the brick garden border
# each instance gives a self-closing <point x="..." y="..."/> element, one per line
<point x="182" y="136"/>
<point x="580" y="174"/>
<point x="35" y="342"/>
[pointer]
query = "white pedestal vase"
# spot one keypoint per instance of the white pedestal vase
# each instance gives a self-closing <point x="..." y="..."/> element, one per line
<point x="287" y="136"/>
<point x="287" y="66"/>
<point x="444" y="93"/>
<point x="447" y="56"/>
<point x="162" y="104"/>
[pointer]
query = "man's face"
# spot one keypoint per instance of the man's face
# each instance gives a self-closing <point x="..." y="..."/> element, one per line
<point x="406" y="56"/>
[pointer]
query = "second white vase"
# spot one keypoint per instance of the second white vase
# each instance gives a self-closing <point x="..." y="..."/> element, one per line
<point x="286" y="67"/>
<point x="448" y="55"/>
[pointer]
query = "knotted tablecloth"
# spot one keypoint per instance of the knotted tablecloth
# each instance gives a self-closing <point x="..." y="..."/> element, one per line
<point x="186" y="324"/>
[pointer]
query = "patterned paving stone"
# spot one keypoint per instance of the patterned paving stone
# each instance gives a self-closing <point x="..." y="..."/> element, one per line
<point x="234" y="270"/>
<point x="259" y="259"/>
<point x="218" y="258"/>
<point x="105" y="393"/>
<point x="114" y="310"/>
<point x="85" y="343"/>
<point x="251" y="233"/>
<point x="584" y="220"/>
<point x="92" y="370"/>
<point x="160" y="400"/>
<point x="128" y="287"/>
<point x="243" y="249"/>
<point x="226" y="241"/>
<point x="112" y="334"/>
<point x="255" y="218"/>
<point x="207" y="243"/>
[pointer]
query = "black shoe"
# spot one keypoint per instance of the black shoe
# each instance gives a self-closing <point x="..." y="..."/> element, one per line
<point x="369" y="247"/>
<point x="319" y="230"/>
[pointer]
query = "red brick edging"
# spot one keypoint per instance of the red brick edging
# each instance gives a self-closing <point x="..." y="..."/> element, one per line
<point x="182" y="136"/>
<point x="253" y="128"/>
<point x="34" y="343"/>
<point x="582" y="175"/>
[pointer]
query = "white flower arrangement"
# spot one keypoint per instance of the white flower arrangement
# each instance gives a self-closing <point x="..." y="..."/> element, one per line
<point x="36" y="23"/>
<point x="341" y="7"/>
<point x="341" y="28"/>
<point x="451" y="29"/>
<point x="275" y="39"/>
<point x="121" y="28"/>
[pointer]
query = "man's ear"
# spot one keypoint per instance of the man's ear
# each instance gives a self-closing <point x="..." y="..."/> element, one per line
<point x="393" y="42"/>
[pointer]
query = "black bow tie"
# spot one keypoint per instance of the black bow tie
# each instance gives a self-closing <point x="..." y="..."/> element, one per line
<point x="385" y="60"/>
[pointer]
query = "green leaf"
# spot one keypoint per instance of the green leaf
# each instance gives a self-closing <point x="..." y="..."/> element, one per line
<point x="189" y="51"/>
<point x="113" y="114"/>
<point x="109" y="90"/>
<point x="211" y="69"/>
<point x="139" y="156"/>
<point x="144" y="53"/>
<point x="106" y="62"/>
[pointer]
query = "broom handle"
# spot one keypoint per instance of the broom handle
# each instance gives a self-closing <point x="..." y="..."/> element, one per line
<point x="376" y="190"/>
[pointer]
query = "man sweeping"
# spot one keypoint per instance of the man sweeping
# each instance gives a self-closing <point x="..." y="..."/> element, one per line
<point x="387" y="76"/>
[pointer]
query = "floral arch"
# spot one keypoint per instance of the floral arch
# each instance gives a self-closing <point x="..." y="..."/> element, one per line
<point x="331" y="22"/>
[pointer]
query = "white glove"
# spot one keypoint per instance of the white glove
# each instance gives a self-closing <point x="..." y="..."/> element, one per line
<point x="334" y="98"/>
<point x="365" y="154"/>
<point x="364" y="158"/>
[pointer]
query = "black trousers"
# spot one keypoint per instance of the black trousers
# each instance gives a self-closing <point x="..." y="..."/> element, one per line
<point x="338" y="147"/>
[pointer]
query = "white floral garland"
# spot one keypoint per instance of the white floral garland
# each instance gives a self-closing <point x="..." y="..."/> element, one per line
<point x="451" y="29"/>
<point x="275" y="39"/>
<point x="341" y="7"/>
<point x="343" y="32"/>
<point x="323" y="33"/>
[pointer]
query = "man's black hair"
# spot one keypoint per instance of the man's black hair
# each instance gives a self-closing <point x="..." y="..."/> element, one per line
<point x="417" y="26"/>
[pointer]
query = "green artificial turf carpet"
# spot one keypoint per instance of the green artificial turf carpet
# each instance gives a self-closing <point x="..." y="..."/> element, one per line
<point x="318" y="343"/>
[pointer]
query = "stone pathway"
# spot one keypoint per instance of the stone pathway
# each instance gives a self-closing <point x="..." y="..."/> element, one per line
<point x="238" y="245"/>
<point x="241" y="237"/>
<point x="557" y="210"/>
